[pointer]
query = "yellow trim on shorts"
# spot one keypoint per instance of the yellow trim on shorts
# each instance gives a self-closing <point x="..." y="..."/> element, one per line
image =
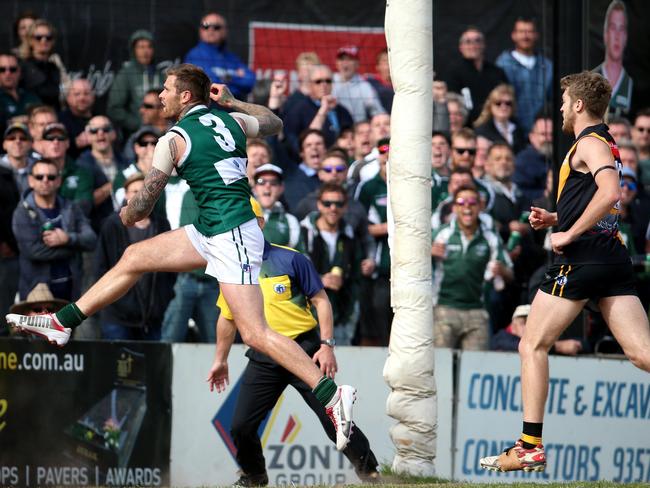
<point x="555" y="284"/>
<point x="565" y="275"/>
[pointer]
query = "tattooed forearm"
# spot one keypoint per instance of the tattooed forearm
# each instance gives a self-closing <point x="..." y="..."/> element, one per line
<point x="140" y="206"/>
<point x="270" y="124"/>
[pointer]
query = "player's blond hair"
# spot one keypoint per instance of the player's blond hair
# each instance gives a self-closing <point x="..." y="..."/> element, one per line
<point x="590" y="87"/>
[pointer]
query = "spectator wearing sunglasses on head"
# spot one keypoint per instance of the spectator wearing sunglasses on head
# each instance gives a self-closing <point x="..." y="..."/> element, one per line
<point x="220" y="64"/>
<point x="104" y="163"/>
<point x="51" y="232"/>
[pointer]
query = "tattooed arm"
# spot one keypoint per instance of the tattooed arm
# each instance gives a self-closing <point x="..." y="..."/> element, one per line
<point x="140" y="206"/>
<point x="168" y="152"/>
<point x="269" y="123"/>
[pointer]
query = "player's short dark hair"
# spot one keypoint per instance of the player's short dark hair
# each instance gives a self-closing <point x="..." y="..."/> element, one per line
<point x="193" y="79"/>
<point x="332" y="188"/>
<point x="590" y="87"/>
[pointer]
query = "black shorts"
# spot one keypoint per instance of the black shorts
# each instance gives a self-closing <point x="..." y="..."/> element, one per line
<point x="594" y="281"/>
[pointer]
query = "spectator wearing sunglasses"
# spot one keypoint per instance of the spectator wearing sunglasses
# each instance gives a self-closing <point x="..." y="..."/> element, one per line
<point x="463" y="155"/>
<point x="220" y="64"/>
<point x="137" y="75"/>
<point x="466" y="255"/>
<point x="334" y="169"/>
<point x="43" y="71"/>
<point x="320" y="110"/>
<point x="14" y="100"/>
<point x="79" y="99"/>
<point x="281" y="228"/>
<point x="497" y="119"/>
<point x="104" y="163"/>
<point x="330" y="244"/>
<point x="144" y="143"/>
<point x="51" y="232"/>
<point x="76" y="180"/>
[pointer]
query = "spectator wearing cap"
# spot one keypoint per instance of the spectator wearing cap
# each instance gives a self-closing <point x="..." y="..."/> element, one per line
<point x="17" y="144"/>
<point x="281" y="227"/>
<point x="76" y="180"/>
<point x="320" y="111"/>
<point x="137" y="75"/>
<point x="303" y="179"/>
<point x="151" y="115"/>
<point x="104" y="163"/>
<point x="352" y="91"/>
<point x="51" y="232"/>
<point x="137" y="315"/>
<point x="508" y="339"/>
<point x="145" y="140"/>
<point x="80" y="99"/>
<point x="220" y="64"/>
<point x="381" y="81"/>
<point x="14" y="100"/>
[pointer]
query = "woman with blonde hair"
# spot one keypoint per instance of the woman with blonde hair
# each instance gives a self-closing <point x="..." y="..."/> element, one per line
<point x="497" y="119"/>
<point x="43" y="71"/>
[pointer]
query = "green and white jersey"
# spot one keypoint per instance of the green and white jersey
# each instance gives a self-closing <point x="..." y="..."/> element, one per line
<point x="214" y="166"/>
<point x="458" y="277"/>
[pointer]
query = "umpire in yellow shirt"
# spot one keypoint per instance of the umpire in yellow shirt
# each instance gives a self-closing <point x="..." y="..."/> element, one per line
<point x="290" y="285"/>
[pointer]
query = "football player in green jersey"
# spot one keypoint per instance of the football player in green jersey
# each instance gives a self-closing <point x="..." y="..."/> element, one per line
<point x="207" y="147"/>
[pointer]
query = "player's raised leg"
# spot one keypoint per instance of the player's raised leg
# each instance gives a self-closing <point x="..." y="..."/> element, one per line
<point x="171" y="252"/>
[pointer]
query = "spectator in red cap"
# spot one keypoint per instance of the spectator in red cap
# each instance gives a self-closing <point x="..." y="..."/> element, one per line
<point x="352" y="91"/>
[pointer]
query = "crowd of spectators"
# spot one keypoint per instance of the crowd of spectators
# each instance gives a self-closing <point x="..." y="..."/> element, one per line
<point x="68" y="168"/>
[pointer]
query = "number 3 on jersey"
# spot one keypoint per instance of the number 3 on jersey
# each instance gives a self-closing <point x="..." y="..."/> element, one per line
<point x="230" y="169"/>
